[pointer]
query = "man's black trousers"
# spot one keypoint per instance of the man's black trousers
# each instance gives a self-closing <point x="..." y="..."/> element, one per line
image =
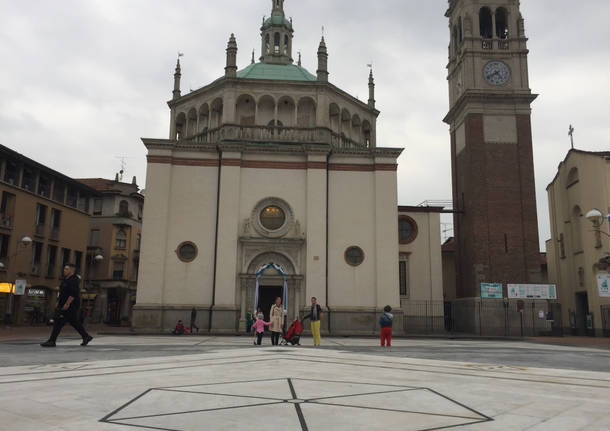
<point x="71" y="317"/>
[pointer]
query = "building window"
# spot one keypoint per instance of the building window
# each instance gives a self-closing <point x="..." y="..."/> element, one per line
<point x="187" y="252"/>
<point x="562" y="246"/>
<point x="11" y="173"/>
<point x="138" y="241"/>
<point x="94" y="237"/>
<point x="118" y="270"/>
<point x="485" y="23"/>
<point x="55" y="223"/>
<point x="576" y="229"/>
<point x="59" y="192"/>
<point x="7" y="209"/>
<point x="272" y="217"/>
<point x="407" y="229"/>
<point x="36" y="257"/>
<point x="44" y="187"/>
<point x="124" y="209"/>
<point x="28" y="179"/>
<point x="72" y="199"/>
<point x="4" y="241"/>
<point x="121" y="240"/>
<point x="354" y="256"/>
<point x="78" y="260"/>
<point x="581" y="277"/>
<point x="65" y="257"/>
<point x="51" y="260"/>
<point x="97" y="206"/>
<point x="403" y="275"/>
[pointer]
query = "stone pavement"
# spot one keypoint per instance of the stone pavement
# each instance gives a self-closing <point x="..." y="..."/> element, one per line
<point x="225" y="383"/>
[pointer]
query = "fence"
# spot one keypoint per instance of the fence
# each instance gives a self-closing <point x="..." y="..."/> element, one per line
<point x="484" y="317"/>
<point x="606" y="319"/>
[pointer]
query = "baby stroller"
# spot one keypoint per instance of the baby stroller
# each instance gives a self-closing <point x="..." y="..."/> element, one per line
<point x="293" y="336"/>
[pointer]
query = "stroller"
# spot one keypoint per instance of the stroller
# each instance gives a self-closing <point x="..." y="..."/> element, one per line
<point x="293" y="336"/>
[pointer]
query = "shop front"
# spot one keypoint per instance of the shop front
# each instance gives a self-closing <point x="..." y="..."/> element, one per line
<point x="36" y="305"/>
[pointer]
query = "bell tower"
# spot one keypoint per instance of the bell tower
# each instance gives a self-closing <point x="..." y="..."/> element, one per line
<point x="276" y="35"/>
<point x="496" y="224"/>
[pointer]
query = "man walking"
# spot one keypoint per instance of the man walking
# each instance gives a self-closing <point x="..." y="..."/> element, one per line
<point x="193" y="320"/>
<point x="315" y="315"/>
<point x="68" y="306"/>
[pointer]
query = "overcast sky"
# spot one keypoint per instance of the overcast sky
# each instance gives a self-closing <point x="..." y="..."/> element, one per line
<point x="83" y="80"/>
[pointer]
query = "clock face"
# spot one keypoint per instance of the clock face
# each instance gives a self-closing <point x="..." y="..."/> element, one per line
<point x="496" y="73"/>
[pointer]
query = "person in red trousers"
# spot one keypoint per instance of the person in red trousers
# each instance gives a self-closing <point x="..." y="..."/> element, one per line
<point x="386" y="326"/>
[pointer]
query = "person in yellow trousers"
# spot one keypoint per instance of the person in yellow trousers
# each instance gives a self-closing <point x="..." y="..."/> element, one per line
<point x="315" y="315"/>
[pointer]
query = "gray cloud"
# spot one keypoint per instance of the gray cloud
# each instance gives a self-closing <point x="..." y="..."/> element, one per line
<point x="84" y="80"/>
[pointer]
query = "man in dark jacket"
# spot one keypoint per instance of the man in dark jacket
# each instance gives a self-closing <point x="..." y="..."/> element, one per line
<point x="68" y="306"/>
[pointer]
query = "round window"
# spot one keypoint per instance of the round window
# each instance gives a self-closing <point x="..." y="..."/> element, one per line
<point x="407" y="230"/>
<point x="354" y="256"/>
<point x="272" y="217"/>
<point x="187" y="252"/>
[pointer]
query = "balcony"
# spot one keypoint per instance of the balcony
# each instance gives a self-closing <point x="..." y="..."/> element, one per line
<point x="503" y="44"/>
<point x="35" y="270"/>
<point x="487" y="44"/>
<point x="273" y="134"/>
<point x="54" y="234"/>
<point x="6" y="221"/>
<point x="39" y="230"/>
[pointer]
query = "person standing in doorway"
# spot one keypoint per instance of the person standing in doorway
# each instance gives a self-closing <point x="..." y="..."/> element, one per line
<point x="276" y="317"/>
<point x="194" y="320"/>
<point x="315" y="315"/>
<point x="386" y="326"/>
<point x="68" y="306"/>
<point x="249" y="321"/>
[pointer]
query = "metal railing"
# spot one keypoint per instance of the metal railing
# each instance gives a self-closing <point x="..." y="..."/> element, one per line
<point x="487" y="44"/>
<point x="605" y="313"/>
<point x="39" y="229"/>
<point x="6" y="220"/>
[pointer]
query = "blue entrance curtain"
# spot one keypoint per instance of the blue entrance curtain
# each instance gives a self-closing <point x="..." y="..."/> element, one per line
<point x="259" y="273"/>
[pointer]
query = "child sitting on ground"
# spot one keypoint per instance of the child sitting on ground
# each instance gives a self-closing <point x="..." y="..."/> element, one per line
<point x="259" y="328"/>
<point x="386" y="326"/>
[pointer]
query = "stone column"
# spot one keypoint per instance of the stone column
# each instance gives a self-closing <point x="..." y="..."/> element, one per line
<point x="242" y="316"/>
<point x="297" y="298"/>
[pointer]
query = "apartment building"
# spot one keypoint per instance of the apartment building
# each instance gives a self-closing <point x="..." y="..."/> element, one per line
<point x="44" y="224"/>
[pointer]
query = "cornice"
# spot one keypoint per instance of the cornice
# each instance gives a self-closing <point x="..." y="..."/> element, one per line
<point x="487" y="97"/>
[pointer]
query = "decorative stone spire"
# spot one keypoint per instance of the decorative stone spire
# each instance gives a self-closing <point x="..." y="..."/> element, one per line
<point x="231" y="69"/>
<point x="177" y="76"/>
<point x="277" y="8"/>
<point x="322" y="61"/>
<point x="252" y="57"/>
<point x="371" y="89"/>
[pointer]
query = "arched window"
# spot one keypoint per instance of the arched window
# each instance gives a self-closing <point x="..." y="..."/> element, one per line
<point x="485" y="23"/>
<point x="455" y="39"/>
<point x="124" y="209"/>
<point x="180" y="126"/>
<point x="502" y="23"/>
<point x="120" y="242"/>
<point x="286" y="44"/>
<point x="460" y="31"/>
<point x="276" y="43"/>
<point x="366" y="133"/>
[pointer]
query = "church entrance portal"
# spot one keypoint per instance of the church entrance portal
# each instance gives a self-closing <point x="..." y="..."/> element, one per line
<point x="267" y="298"/>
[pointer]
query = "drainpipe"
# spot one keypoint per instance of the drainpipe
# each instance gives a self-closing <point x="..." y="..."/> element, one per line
<point x="211" y="310"/>
<point x="327" y="213"/>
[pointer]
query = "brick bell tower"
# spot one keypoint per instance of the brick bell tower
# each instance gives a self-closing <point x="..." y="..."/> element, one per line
<point x="491" y="146"/>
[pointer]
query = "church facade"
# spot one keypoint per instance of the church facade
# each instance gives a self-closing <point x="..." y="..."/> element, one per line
<point x="271" y="184"/>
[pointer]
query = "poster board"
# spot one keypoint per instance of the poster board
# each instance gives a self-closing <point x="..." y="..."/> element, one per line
<point x="603" y="285"/>
<point x="491" y="290"/>
<point x="532" y="291"/>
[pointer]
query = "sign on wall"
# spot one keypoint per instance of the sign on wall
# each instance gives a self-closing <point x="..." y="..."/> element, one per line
<point x="491" y="290"/>
<point x="532" y="291"/>
<point x="20" y="287"/>
<point x="603" y="284"/>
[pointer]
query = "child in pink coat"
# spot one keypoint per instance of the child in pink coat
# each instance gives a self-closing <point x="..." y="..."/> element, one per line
<point x="259" y="329"/>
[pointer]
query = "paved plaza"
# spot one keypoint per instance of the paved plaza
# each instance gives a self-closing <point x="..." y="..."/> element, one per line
<point x="225" y="383"/>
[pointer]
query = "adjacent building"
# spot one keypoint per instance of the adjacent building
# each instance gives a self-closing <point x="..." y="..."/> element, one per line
<point x="113" y="251"/>
<point x="578" y="250"/>
<point x="44" y="224"/>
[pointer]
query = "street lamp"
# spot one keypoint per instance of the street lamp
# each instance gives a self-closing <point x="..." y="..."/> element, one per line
<point x="24" y="241"/>
<point x="596" y="217"/>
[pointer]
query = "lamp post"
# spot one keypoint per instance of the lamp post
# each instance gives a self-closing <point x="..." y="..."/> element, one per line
<point x="24" y="242"/>
<point x="91" y="262"/>
<point x="596" y="217"/>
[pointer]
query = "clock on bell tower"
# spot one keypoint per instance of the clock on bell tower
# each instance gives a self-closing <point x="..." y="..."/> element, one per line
<point x="496" y="227"/>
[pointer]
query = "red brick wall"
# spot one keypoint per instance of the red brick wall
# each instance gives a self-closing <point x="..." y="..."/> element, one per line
<point x="497" y="235"/>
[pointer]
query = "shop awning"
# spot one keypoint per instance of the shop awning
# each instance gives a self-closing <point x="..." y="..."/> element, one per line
<point x="7" y="288"/>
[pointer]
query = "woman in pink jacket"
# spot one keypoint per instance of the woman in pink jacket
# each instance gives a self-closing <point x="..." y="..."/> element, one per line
<point x="259" y="329"/>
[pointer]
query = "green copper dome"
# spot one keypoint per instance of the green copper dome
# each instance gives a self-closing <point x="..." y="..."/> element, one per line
<point x="276" y="72"/>
<point x="276" y="20"/>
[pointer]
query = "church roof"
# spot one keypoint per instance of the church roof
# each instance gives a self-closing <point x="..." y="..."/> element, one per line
<point x="277" y="20"/>
<point x="276" y="72"/>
